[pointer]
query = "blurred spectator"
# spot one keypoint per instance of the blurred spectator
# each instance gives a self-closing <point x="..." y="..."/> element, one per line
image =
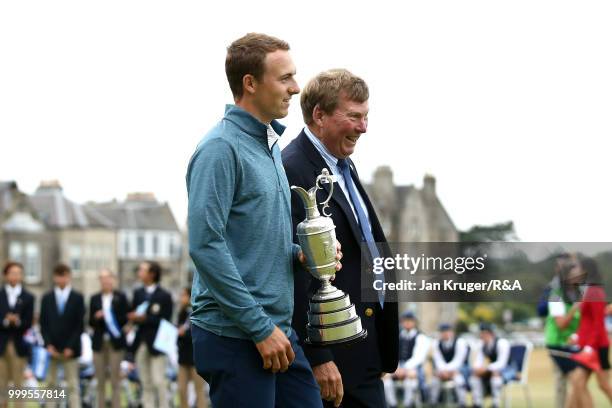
<point x="61" y="324"/>
<point x="591" y="333"/>
<point x="561" y="322"/>
<point x="491" y="358"/>
<point x="450" y="356"/>
<point x="187" y="372"/>
<point x="16" y="310"/>
<point x="107" y="316"/>
<point x="150" y="305"/>
<point x="413" y="348"/>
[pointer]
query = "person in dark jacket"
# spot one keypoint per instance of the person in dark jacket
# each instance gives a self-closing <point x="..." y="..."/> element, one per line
<point x="107" y="316"/>
<point x="335" y="110"/>
<point x="187" y="372"/>
<point x="62" y="313"/>
<point x="16" y="310"/>
<point x="150" y="305"/>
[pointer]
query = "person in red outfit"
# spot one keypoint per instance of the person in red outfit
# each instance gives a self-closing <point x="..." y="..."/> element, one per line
<point x="591" y="333"/>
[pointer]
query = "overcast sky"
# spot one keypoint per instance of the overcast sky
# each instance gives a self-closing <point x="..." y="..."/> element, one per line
<point x="508" y="104"/>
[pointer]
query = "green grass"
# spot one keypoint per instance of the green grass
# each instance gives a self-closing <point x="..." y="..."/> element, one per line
<point x="541" y="384"/>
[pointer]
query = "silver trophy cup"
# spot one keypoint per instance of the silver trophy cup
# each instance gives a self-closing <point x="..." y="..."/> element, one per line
<point x="331" y="316"/>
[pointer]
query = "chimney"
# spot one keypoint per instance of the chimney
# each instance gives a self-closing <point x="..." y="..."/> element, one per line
<point x="49" y="185"/>
<point x="383" y="174"/>
<point x="429" y="185"/>
<point x="141" y="197"/>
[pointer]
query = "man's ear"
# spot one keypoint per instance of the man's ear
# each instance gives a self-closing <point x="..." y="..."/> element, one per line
<point x="317" y="115"/>
<point x="249" y="84"/>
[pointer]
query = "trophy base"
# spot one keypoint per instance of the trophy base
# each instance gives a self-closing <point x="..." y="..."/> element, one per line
<point x="345" y="342"/>
<point x="333" y="321"/>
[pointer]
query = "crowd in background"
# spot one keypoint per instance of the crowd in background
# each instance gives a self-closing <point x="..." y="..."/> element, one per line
<point x="116" y="352"/>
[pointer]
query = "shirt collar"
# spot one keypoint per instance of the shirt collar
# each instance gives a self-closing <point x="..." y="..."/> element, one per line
<point x="151" y="288"/>
<point x="62" y="292"/>
<point x="272" y="136"/>
<point x="13" y="289"/>
<point x="327" y="156"/>
<point x="250" y="124"/>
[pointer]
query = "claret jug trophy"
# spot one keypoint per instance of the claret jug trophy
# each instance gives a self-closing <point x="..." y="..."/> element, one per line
<point x="331" y="316"/>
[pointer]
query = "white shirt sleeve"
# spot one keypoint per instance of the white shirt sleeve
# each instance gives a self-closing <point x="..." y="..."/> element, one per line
<point x="556" y="309"/>
<point x="503" y="354"/>
<point x="438" y="359"/>
<point x="419" y="354"/>
<point x="461" y="350"/>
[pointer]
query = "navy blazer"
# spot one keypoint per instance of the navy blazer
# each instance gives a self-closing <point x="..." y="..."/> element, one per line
<point x="160" y="307"/>
<point x="379" y="351"/>
<point x="119" y="306"/>
<point x="63" y="331"/>
<point x="24" y="307"/>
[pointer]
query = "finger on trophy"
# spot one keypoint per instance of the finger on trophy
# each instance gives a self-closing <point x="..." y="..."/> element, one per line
<point x="338" y="266"/>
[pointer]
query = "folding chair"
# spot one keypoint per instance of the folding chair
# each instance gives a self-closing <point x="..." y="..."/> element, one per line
<point x="517" y="371"/>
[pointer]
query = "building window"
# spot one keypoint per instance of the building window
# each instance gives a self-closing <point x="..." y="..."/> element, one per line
<point x="155" y="246"/>
<point x="15" y="251"/>
<point x="28" y="255"/>
<point x="74" y="256"/>
<point x="32" y="264"/>
<point x="141" y="245"/>
<point x="171" y="248"/>
<point x="126" y="246"/>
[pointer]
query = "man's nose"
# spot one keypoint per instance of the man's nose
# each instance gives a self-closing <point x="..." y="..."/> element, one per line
<point x="363" y="125"/>
<point x="294" y="88"/>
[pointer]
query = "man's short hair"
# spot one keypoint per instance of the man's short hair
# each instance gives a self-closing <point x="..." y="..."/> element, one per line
<point x="155" y="269"/>
<point x="325" y="90"/>
<point x="109" y="272"/>
<point x="9" y="265"/>
<point x="61" y="270"/>
<point x="246" y="55"/>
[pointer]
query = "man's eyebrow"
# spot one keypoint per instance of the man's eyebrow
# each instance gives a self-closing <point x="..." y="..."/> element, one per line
<point x="288" y="74"/>
<point x="357" y="113"/>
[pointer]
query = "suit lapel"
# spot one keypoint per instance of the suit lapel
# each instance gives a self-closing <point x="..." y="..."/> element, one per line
<point x="114" y="301"/>
<point x="338" y="195"/>
<point x="68" y="300"/>
<point x="377" y="231"/>
<point x="54" y="303"/>
<point x="19" y="302"/>
<point x="4" y="299"/>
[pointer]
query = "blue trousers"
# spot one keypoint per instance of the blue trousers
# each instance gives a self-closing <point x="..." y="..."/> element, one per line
<point x="233" y="368"/>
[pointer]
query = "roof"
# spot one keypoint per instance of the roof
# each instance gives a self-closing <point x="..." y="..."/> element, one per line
<point x="7" y="189"/>
<point x="57" y="211"/>
<point x="139" y="215"/>
<point x="395" y="201"/>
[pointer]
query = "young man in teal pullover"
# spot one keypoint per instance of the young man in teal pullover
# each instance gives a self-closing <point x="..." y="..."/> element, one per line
<point x="240" y="239"/>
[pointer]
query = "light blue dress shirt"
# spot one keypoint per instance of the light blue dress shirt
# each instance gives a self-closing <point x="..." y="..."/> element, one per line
<point x="332" y="162"/>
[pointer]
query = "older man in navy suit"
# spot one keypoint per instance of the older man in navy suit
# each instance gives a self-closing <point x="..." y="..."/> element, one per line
<point x="335" y="109"/>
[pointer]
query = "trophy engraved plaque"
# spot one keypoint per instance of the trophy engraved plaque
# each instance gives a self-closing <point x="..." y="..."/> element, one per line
<point x="331" y="315"/>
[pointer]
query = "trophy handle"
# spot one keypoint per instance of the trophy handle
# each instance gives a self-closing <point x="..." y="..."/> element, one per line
<point x="327" y="178"/>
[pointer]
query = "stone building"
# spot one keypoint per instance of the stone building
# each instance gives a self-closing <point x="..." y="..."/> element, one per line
<point x="78" y="236"/>
<point x="414" y="215"/>
<point x="24" y="237"/>
<point x="146" y="229"/>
